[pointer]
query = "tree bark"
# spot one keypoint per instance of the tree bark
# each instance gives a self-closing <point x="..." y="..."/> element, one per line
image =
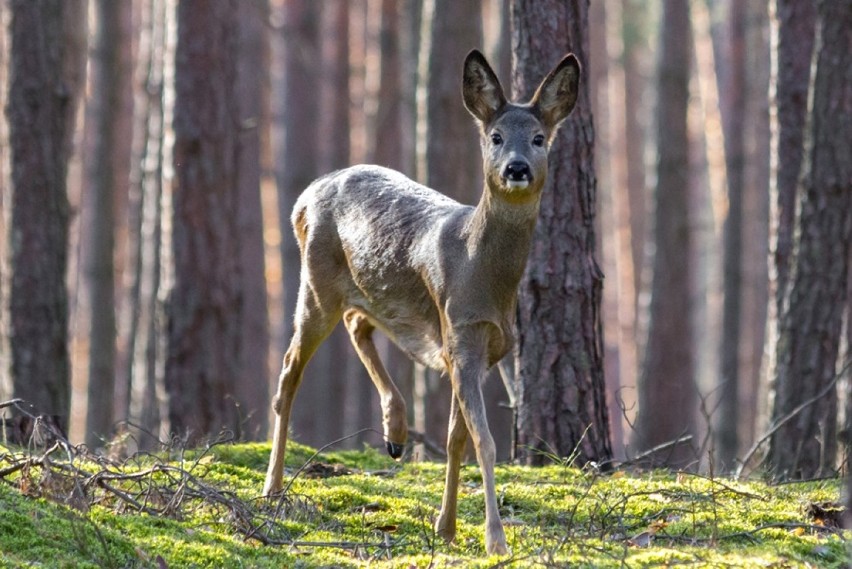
<point x="448" y="148"/>
<point x="805" y="446"/>
<point x="142" y="319"/>
<point x="668" y="398"/>
<point x="108" y="81"/>
<point x="206" y="304"/>
<point x="296" y="153"/>
<point x="796" y="23"/>
<point x="733" y="125"/>
<point x="40" y="109"/>
<point x="755" y="266"/>
<point x="253" y="386"/>
<point x="559" y="359"/>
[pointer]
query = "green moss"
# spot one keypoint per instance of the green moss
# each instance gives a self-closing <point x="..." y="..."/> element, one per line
<point x="382" y="514"/>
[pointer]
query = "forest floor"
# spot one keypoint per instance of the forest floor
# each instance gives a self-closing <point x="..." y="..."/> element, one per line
<point x="62" y="507"/>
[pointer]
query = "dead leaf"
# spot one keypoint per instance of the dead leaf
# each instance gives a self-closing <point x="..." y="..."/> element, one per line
<point x="322" y="470"/>
<point x="643" y="539"/>
<point x="828" y="514"/>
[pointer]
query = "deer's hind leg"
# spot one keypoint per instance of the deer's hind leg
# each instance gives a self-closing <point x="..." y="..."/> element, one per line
<point x="394" y="419"/>
<point x="315" y="319"/>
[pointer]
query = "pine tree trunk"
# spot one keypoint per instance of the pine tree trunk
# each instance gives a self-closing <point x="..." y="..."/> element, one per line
<point x="668" y="398"/>
<point x="296" y="155"/>
<point x="448" y="148"/>
<point x="733" y="125"/>
<point x="559" y="366"/>
<point x="755" y="264"/>
<point x="795" y="45"/>
<point x="41" y="104"/>
<point x="805" y="446"/>
<point x="108" y="80"/>
<point x="253" y="386"/>
<point x="206" y="302"/>
<point x="141" y="320"/>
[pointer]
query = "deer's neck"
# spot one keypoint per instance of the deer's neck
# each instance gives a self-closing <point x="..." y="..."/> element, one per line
<point x="499" y="234"/>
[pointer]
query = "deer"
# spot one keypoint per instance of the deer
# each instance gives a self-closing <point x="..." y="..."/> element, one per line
<point x="439" y="278"/>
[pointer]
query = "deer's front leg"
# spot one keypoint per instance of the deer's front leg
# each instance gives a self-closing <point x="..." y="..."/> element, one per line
<point x="456" y="441"/>
<point x="467" y="374"/>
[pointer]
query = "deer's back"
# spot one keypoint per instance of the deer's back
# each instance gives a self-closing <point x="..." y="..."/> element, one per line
<point x="370" y="237"/>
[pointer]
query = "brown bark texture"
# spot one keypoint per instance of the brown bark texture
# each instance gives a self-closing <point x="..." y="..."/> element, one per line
<point x="206" y="303"/>
<point x="796" y="22"/>
<point x="142" y="321"/>
<point x="40" y="107"/>
<point x="253" y="386"/>
<point x="297" y="154"/>
<point x="559" y="358"/>
<point x="805" y="445"/>
<point x="451" y="161"/>
<point x="334" y="370"/>
<point x="634" y="23"/>
<point x="109" y="76"/>
<point x="755" y="262"/>
<point x="733" y="97"/>
<point x="668" y="397"/>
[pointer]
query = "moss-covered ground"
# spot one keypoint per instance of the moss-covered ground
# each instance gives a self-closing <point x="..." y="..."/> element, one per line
<point x="360" y="509"/>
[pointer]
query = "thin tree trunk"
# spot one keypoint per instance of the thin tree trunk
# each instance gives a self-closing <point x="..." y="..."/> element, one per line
<point x="624" y="328"/>
<point x="794" y="49"/>
<point x="123" y="153"/>
<point x="142" y="370"/>
<point x="296" y="155"/>
<point x="334" y="369"/>
<point x="448" y="152"/>
<point x="668" y="396"/>
<point x="755" y="228"/>
<point x="734" y="131"/>
<point x="108" y="80"/>
<point x="559" y="358"/>
<point x="805" y="446"/>
<point x="41" y="108"/>
<point x="253" y="386"/>
<point x="637" y="62"/>
<point x="206" y="302"/>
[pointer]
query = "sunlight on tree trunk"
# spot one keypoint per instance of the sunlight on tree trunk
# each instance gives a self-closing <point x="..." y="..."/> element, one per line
<point x="805" y="446"/>
<point x="559" y="355"/>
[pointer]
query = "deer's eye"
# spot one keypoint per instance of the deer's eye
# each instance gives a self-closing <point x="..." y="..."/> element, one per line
<point x="496" y="139"/>
<point x="538" y="140"/>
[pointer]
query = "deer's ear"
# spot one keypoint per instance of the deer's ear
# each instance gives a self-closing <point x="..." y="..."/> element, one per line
<point x="483" y="95"/>
<point x="557" y="94"/>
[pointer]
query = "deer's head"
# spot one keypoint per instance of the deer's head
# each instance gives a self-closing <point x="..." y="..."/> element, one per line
<point x="515" y="138"/>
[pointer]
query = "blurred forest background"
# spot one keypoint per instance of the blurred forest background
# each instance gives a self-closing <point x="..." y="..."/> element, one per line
<point x="152" y="150"/>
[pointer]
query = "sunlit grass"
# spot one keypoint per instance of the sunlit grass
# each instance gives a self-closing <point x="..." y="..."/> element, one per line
<point x="378" y="513"/>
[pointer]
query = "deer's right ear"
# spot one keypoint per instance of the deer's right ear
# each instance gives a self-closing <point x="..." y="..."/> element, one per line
<point x="483" y="95"/>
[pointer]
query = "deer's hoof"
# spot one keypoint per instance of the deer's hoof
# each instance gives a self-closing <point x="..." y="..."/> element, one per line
<point x="394" y="449"/>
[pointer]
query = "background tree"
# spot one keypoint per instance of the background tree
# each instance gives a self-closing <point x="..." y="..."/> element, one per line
<point x="668" y="398"/>
<point x="105" y="166"/>
<point x="296" y="150"/>
<point x="253" y="385"/>
<point x="141" y="321"/>
<point x="733" y="99"/>
<point x="559" y="361"/>
<point x="796" y="31"/>
<point x="805" y="445"/>
<point x="44" y="81"/>
<point x="206" y="305"/>
<point x="448" y="155"/>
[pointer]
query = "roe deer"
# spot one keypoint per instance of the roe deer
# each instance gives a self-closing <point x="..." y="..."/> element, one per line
<point x="439" y="278"/>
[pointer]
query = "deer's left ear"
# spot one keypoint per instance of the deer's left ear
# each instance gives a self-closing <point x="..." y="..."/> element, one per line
<point x="483" y="95"/>
<point x="557" y="94"/>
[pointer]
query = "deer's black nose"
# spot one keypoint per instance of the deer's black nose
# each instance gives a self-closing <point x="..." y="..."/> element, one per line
<point x="517" y="171"/>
